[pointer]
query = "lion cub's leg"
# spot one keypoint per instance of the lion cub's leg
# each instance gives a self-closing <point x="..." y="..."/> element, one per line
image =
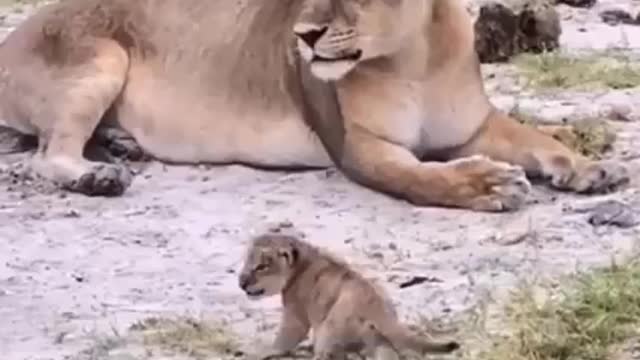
<point x="475" y="183"/>
<point x="81" y="94"/>
<point x="504" y="139"/>
<point x="292" y="331"/>
<point x="329" y="340"/>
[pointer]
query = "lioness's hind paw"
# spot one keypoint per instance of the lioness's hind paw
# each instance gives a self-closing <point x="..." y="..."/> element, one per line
<point x="103" y="180"/>
<point x="600" y="177"/>
<point x="118" y="143"/>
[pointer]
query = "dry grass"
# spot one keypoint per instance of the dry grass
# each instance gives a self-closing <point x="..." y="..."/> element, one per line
<point x="591" y="137"/>
<point x="583" y="320"/>
<point x="555" y="70"/>
<point x="587" y="317"/>
<point x="192" y="337"/>
<point x="19" y="2"/>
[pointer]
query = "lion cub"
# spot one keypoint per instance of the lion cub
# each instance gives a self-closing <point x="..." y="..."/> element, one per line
<point x="347" y="312"/>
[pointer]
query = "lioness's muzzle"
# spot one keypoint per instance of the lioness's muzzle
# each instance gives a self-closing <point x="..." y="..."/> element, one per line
<point x="310" y="34"/>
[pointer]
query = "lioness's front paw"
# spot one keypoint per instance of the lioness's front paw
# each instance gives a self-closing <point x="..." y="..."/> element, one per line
<point x="491" y="185"/>
<point x="103" y="180"/>
<point x="600" y="177"/>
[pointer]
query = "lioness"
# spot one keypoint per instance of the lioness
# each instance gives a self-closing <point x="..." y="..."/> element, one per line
<point x="346" y="311"/>
<point x="389" y="91"/>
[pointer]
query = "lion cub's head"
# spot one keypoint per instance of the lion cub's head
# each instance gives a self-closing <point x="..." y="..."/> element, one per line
<point x="268" y="265"/>
<point x="333" y="36"/>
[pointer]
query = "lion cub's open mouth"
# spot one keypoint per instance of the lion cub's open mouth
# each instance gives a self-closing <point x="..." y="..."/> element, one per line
<point x="355" y="56"/>
<point x="255" y="293"/>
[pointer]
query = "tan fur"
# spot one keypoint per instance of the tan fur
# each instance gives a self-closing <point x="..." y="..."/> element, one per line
<point x="380" y="88"/>
<point x="346" y="311"/>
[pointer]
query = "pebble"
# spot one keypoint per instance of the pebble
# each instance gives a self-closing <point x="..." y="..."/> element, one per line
<point x="617" y="16"/>
<point x="618" y="112"/>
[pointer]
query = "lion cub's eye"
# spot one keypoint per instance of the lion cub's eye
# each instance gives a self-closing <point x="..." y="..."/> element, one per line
<point x="261" y="267"/>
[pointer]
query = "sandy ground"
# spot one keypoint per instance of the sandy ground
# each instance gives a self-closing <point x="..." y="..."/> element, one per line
<point x="73" y="268"/>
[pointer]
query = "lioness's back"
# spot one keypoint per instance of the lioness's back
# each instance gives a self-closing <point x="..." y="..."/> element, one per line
<point x="209" y="81"/>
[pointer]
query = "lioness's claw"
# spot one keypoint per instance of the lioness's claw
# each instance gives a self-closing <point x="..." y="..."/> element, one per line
<point x="600" y="177"/>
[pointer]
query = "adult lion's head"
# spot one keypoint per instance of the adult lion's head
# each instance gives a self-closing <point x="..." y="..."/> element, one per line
<point x="334" y="36"/>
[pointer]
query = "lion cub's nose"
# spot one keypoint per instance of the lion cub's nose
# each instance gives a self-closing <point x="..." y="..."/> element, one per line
<point x="243" y="281"/>
<point x="310" y="35"/>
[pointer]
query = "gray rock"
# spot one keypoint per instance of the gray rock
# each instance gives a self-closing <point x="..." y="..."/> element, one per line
<point x="578" y="3"/>
<point x="617" y="16"/>
<point x="504" y="29"/>
<point x="614" y="213"/>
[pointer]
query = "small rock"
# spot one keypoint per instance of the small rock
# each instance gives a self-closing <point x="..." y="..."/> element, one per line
<point x="238" y="353"/>
<point x="495" y="29"/>
<point x="612" y="212"/>
<point x="78" y="278"/>
<point x="578" y="3"/>
<point x="512" y="238"/>
<point x="283" y="225"/>
<point x="617" y="16"/>
<point x="72" y="213"/>
<point x="417" y="280"/>
<point x="618" y="112"/>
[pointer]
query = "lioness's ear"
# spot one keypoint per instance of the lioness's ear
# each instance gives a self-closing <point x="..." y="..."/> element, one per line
<point x="290" y="255"/>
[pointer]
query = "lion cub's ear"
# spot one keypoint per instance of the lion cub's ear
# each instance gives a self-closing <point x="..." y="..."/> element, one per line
<point x="290" y="255"/>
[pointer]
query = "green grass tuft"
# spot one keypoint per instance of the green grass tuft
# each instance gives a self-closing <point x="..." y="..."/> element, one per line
<point x="598" y="311"/>
<point x="555" y="70"/>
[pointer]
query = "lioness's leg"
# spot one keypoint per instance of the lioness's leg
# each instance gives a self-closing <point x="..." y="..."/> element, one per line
<point x="83" y="91"/>
<point x="475" y="183"/>
<point x="504" y="139"/>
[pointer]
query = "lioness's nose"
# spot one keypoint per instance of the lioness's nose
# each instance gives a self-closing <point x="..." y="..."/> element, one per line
<point x="310" y="35"/>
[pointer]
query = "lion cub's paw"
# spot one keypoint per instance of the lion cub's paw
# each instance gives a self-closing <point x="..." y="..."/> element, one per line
<point x="600" y="177"/>
<point x="103" y="180"/>
<point x="492" y="185"/>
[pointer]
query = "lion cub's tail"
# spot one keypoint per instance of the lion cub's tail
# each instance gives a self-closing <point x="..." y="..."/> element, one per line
<point x="399" y="337"/>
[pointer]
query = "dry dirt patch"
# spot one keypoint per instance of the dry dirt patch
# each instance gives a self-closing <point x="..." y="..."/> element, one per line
<point x="77" y="272"/>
